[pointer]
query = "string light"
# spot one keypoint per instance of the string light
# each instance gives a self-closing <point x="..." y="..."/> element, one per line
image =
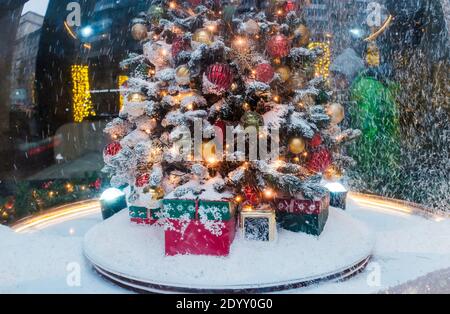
<point x="269" y="193"/>
<point x="322" y="65"/>
<point x="121" y="80"/>
<point x="82" y="101"/>
<point x="172" y="5"/>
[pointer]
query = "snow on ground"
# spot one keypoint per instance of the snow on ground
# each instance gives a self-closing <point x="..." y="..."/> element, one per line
<point x="138" y="252"/>
<point x="407" y="247"/>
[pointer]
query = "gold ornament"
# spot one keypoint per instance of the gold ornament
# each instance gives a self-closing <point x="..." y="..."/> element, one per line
<point x="301" y="36"/>
<point x="284" y="73"/>
<point x="136" y="97"/>
<point x="241" y="44"/>
<point x="183" y="75"/>
<point x="297" y="145"/>
<point x="139" y="31"/>
<point x="336" y="112"/>
<point x="209" y="152"/>
<point x="157" y="193"/>
<point x="251" y="27"/>
<point x="203" y="36"/>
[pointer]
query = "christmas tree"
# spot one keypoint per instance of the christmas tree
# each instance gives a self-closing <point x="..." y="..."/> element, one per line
<point x="242" y="75"/>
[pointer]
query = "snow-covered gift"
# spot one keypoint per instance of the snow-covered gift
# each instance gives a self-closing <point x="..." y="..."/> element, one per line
<point x="144" y="216"/>
<point x="303" y="215"/>
<point x="199" y="227"/>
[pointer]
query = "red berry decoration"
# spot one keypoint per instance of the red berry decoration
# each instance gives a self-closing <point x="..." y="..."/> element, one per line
<point x="320" y="160"/>
<point x="220" y="75"/>
<point x="113" y="149"/>
<point x="316" y="141"/>
<point x="278" y="46"/>
<point x="142" y="180"/>
<point x="180" y="44"/>
<point x="264" y="72"/>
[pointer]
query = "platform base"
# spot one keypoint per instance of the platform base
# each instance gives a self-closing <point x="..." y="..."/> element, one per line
<point x="133" y="257"/>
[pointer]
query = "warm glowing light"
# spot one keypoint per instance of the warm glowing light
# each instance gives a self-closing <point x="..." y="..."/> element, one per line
<point x="238" y="199"/>
<point x="269" y="193"/>
<point x="82" y="101"/>
<point x="247" y="208"/>
<point x="121" y="80"/>
<point x="172" y="5"/>
<point x="322" y="65"/>
<point x="57" y="215"/>
<point x="276" y="98"/>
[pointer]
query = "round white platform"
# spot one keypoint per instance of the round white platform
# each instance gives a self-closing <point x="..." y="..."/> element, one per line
<point x="133" y="256"/>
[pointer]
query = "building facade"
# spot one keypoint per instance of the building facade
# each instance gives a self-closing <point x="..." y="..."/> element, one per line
<point x="24" y="61"/>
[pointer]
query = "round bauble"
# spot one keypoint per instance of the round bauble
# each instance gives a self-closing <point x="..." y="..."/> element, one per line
<point x="157" y="193"/>
<point x="336" y="112"/>
<point x="112" y="149"/>
<point x="320" y="160"/>
<point x="220" y="75"/>
<point x="284" y="72"/>
<point x="241" y="44"/>
<point x="264" y="72"/>
<point x="251" y="27"/>
<point x="139" y="31"/>
<point x="297" y="145"/>
<point x="203" y="36"/>
<point x="301" y="36"/>
<point x="136" y="97"/>
<point x="252" y="119"/>
<point x="290" y="6"/>
<point x="183" y="75"/>
<point x="278" y="46"/>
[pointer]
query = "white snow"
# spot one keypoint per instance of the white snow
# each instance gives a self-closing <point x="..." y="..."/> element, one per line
<point x="407" y="247"/>
<point x="139" y="252"/>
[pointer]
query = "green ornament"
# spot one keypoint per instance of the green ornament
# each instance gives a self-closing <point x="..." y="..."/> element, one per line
<point x="251" y="118"/>
<point x="155" y="13"/>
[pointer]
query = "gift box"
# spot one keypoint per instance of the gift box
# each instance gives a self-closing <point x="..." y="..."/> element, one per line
<point x="302" y="215"/>
<point x="199" y="227"/>
<point x="258" y="225"/>
<point x="144" y="216"/>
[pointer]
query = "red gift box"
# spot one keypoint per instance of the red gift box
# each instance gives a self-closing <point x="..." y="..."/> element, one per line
<point x="191" y="236"/>
<point x="197" y="240"/>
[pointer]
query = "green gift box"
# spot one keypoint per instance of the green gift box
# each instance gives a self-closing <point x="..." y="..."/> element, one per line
<point x="197" y="209"/>
<point x="142" y="215"/>
<point x="301" y="215"/>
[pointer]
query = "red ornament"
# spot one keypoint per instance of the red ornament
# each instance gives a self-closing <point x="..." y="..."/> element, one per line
<point x="47" y="185"/>
<point x="251" y="195"/>
<point x="180" y="44"/>
<point x="264" y="72"/>
<point x="278" y="46"/>
<point x="290" y="6"/>
<point x="98" y="184"/>
<point x="142" y="180"/>
<point x="113" y="149"/>
<point x="316" y="141"/>
<point x="220" y="75"/>
<point x="320" y="160"/>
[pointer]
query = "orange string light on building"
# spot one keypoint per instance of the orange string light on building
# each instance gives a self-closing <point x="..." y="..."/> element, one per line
<point x="82" y="102"/>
